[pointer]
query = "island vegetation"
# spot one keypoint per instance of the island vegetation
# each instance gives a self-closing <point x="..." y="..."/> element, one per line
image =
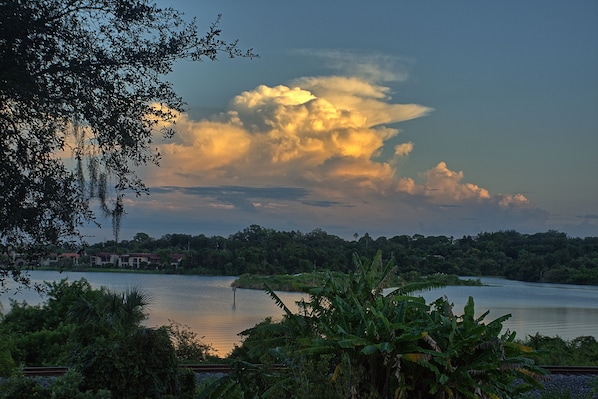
<point x="302" y="282"/>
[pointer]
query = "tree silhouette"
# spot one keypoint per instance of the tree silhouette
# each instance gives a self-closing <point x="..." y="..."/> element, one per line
<point x="85" y="79"/>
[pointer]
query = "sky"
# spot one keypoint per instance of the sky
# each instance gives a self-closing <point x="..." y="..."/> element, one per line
<point x="386" y="118"/>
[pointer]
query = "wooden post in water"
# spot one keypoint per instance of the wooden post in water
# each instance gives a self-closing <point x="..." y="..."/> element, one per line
<point x="234" y="297"/>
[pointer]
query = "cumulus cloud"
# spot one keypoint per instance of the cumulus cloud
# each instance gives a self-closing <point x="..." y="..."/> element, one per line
<point x="403" y="149"/>
<point x="359" y="96"/>
<point x="317" y="146"/>
<point x="316" y="129"/>
<point x="440" y="185"/>
<point x="441" y="182"/>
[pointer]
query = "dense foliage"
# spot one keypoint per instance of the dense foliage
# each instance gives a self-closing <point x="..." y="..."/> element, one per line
<point x="350" y="340"/>
<point x="555" y="351"/>
<point x="99" y="335"/>
<point x="84" y="80"/>
<point x="549" y="257"/>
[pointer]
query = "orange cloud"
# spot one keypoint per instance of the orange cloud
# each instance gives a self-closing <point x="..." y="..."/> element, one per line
<point x="357" y="95"/>
<point x="324" y="133"/>
<point x="286" y="133"/>
<point x="441" y="185"/>
<point x="403" y="149"/>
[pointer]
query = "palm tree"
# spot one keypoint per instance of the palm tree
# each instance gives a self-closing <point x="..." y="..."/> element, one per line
<point x="110" y="313"/>
<point x="112" y="350"/>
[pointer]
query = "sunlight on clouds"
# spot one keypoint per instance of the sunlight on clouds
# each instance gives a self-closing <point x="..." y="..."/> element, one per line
<point x="517" y="200"/>
<point x="403" y="149"/>
<point x="289" y="134"/>
<point x="361" y="172"/>
<point x="324" y="134"/>
<point x="443" y="183"/>
<point x="201" y="146"/>
<point x="262" y="95"/>
<point x="440" y="184"/>
<point x="356" y="95"/>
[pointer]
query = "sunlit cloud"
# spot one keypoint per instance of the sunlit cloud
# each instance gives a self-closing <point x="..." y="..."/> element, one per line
<point x="316" y="130"/>
<point x="403" y="149"/>
<point x="315" y="152"/>
<point x="443" y="183"/>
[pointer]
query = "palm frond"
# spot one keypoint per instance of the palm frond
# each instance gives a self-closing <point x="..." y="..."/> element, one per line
<point x="279" y="302"/>
<point x="411" y="288"/>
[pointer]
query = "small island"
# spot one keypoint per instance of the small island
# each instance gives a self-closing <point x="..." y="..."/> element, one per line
<point x="302" y="282"/>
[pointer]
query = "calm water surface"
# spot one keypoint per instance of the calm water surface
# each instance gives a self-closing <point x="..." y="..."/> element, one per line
<point x="209" y="306"/>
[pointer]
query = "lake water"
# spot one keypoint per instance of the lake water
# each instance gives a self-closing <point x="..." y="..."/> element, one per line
<point x="209" y="306"/>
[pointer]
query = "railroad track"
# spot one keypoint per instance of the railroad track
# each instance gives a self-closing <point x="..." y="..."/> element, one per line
<point x="572" y="370"/>
<point x="44" y="371"/>
<point x="223" y="368"/>
<point x="197" y="368"/>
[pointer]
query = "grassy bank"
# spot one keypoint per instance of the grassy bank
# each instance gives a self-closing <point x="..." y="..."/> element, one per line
<point x="303" y="281"/>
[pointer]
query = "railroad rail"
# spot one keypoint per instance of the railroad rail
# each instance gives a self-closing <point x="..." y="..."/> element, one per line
<point x="223" y="368"/>
<point x="196" y="368"/>
<point x="572" y="370"/>
<point x="45" y="371"/>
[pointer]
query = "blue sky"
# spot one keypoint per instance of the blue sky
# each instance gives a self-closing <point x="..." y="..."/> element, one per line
<point x="387" y="117"/>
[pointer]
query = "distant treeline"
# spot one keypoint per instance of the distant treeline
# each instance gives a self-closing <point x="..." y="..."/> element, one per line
<point x="549" y="257"/>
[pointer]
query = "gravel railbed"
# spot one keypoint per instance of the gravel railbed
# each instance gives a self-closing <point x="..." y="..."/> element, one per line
<point x="558" y="386"/>
<point x="567" y="387"/>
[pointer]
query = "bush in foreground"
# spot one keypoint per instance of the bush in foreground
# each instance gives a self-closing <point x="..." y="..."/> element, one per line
<point x="351" y="340"/>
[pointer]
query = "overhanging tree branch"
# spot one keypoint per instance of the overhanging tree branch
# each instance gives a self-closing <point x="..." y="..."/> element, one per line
<point x="102" y="64"/>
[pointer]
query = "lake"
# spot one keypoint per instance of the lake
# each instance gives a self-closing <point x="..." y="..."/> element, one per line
<point x="208" y="305"/>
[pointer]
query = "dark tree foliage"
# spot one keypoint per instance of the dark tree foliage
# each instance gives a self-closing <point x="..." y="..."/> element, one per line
<point x="549" y="257"/>
<point x="39" y="333"/>
<point x="99" y="335"/>
<point x="84" y="79"/>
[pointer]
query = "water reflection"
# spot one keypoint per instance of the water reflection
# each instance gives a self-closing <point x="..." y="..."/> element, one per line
<point x="210" y="307"/>
<point x="568" y="311"/>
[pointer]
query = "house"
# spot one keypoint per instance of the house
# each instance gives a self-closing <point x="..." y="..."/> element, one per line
<point x="69" y="256"/>
<point x="138" y="260"/>
<point x="19" y="260"/>
<point x="103" y="258"/>
<point x="133" y="260"/>
<point x="176" y="259"/>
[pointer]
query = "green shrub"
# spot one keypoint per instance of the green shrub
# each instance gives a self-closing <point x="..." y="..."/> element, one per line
<point x="351" y="340"/>
<point x="99" y="334"/>
<point x="113" y="351"/>
<point x="188" y="347"/>
<point x="21" y="387"/>
<point x="7" y="362"/>
<point x="69" y="385"/>
<point x="188" y="383"/>
<point x="66" y="386"/>
<point x="555" y="351"/>
<point x="140" y="365"/>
